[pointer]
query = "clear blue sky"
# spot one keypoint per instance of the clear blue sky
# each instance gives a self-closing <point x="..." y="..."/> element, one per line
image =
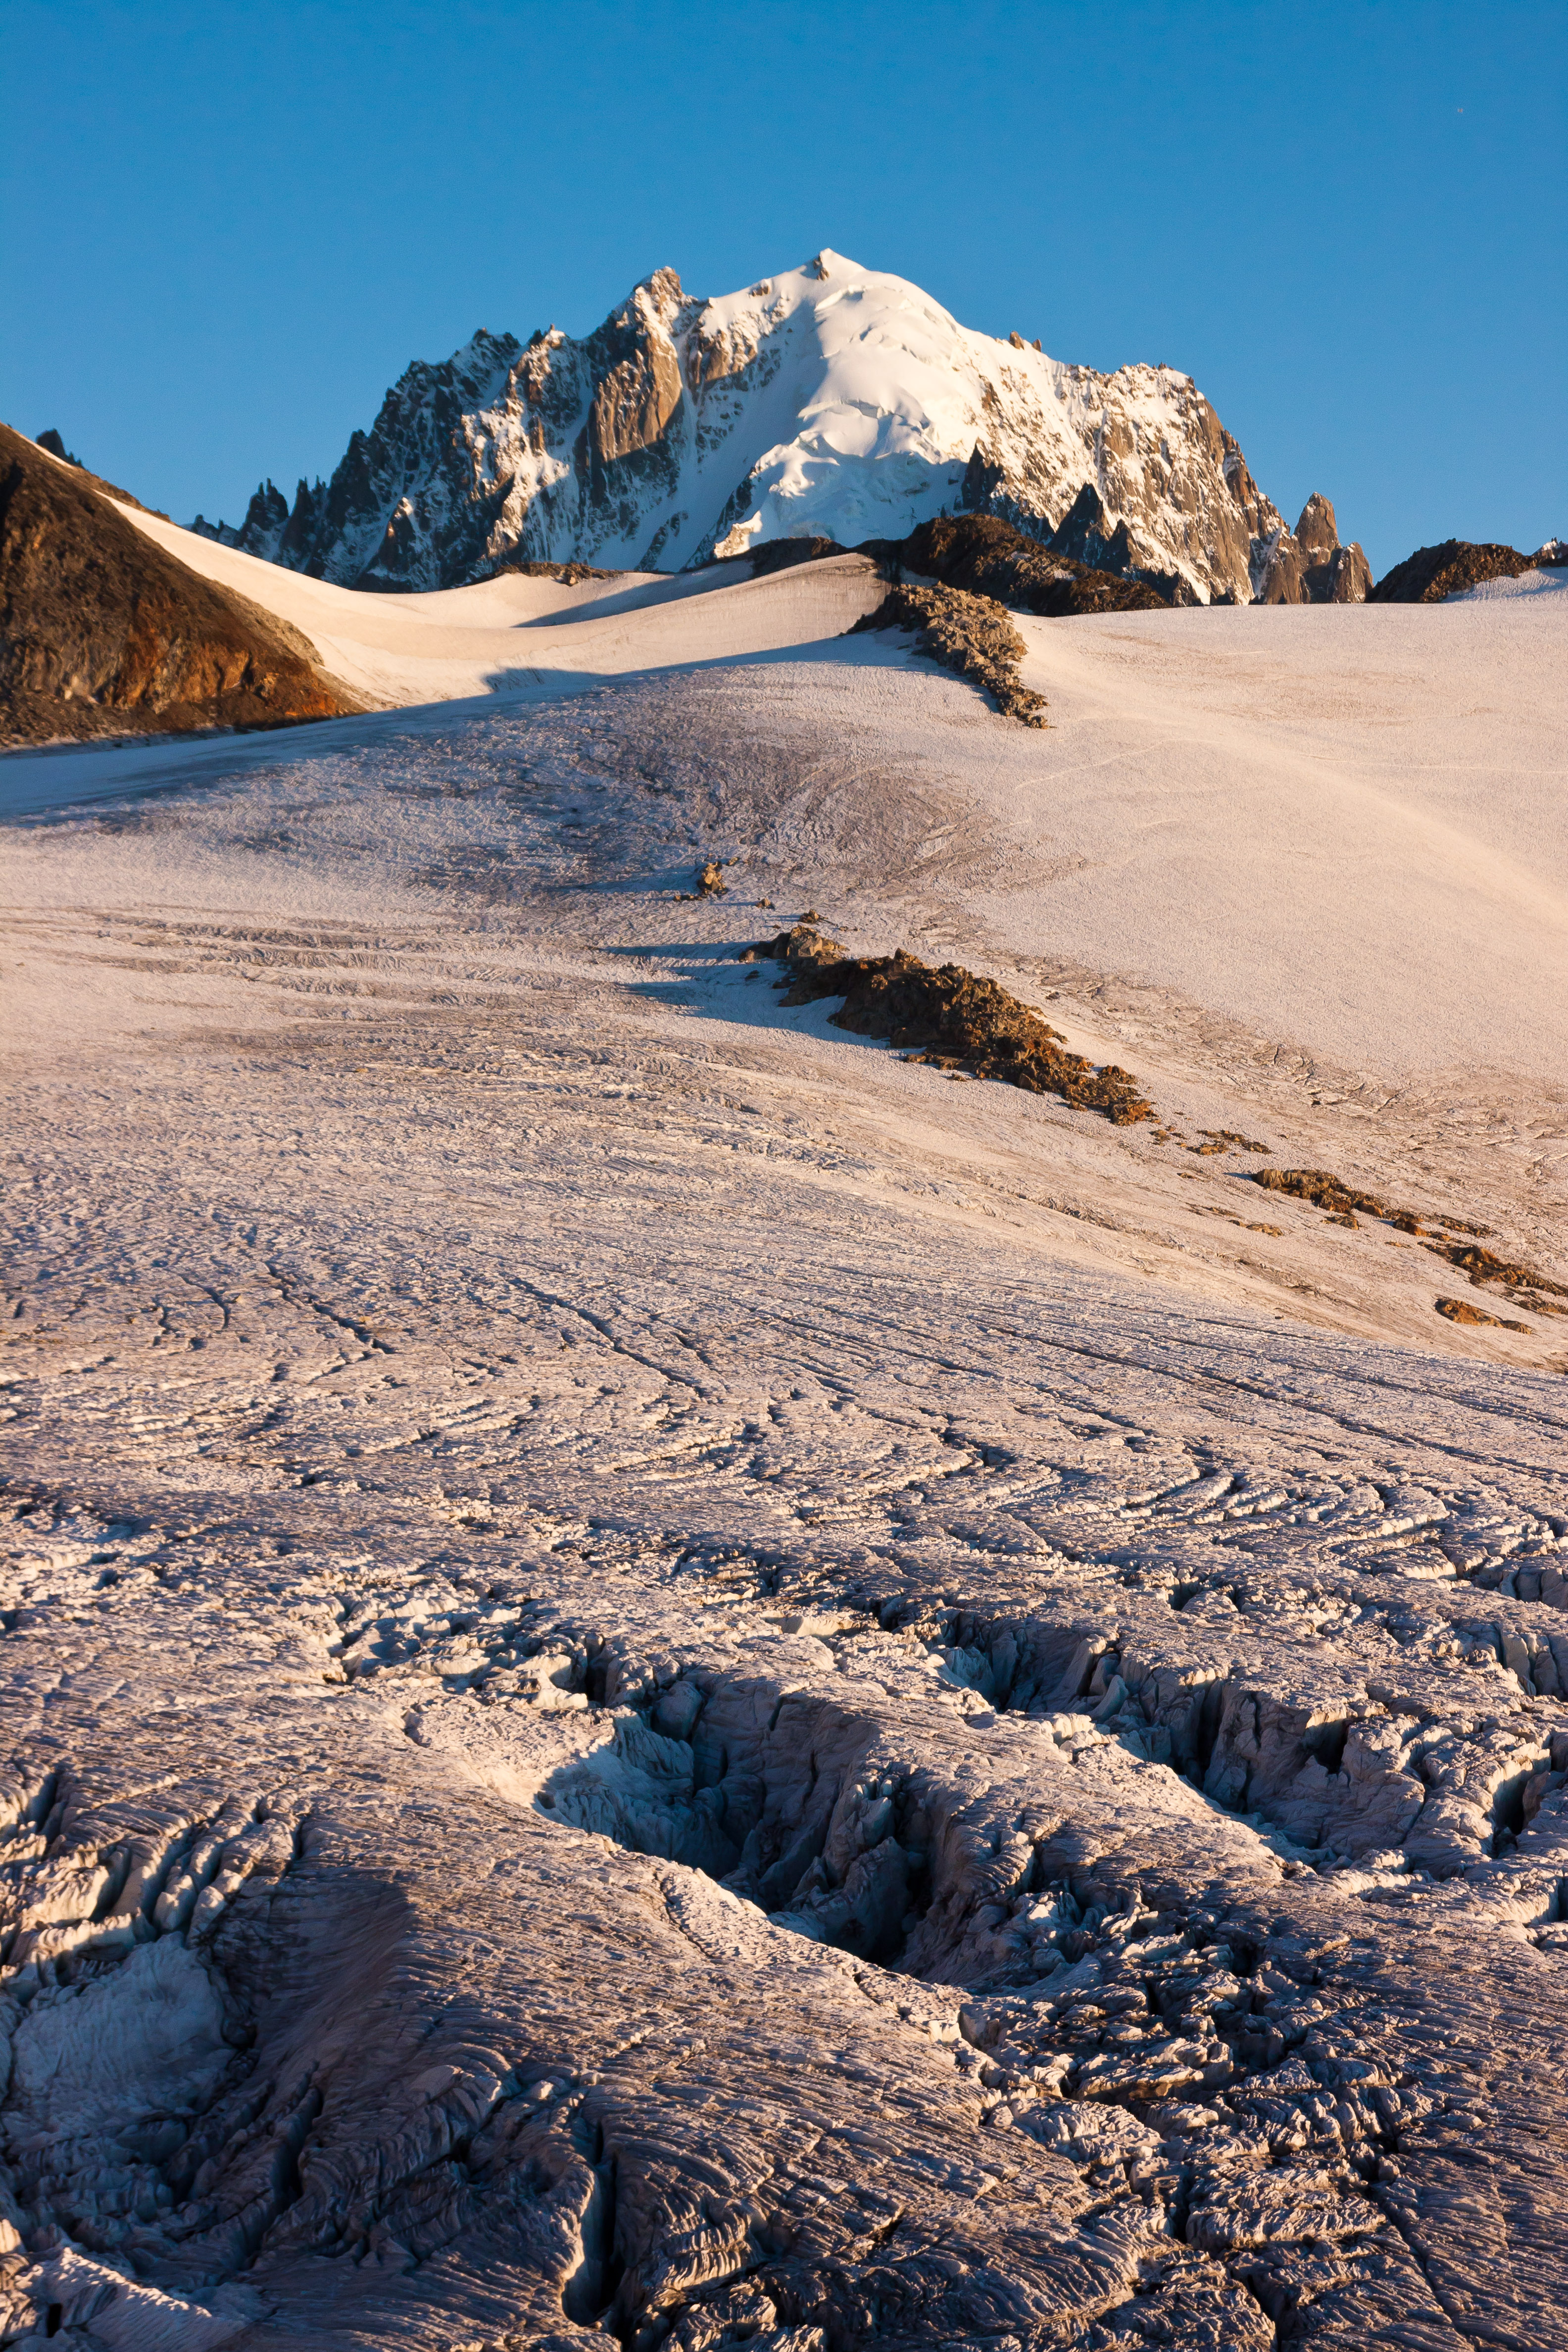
<point x="226" y="228"/>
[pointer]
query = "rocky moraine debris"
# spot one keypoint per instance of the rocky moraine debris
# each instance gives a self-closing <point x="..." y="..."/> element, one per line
<point x="971" y="635"/>
<point x="954" y="1019"/>
<point x="1458" y="1239"/>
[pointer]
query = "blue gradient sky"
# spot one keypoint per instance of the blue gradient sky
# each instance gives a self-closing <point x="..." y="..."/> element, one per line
<point x="226" y="230"/>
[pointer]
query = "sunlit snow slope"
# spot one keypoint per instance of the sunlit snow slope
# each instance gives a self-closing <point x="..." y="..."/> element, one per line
<point x="520" y="633"/>
<point x="1345" y="824"/>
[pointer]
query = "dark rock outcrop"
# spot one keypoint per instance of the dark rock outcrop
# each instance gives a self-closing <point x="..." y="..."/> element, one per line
<point x="102" y="633"/>
<point x="565" y="575"/>
<point x="954" y="1019"/>
<point x="783" y="554"/>
<point x="1349" y="577"/>
<point x="988" y="557"/>
<point x="1310" y="566"/>
<point x="1434" y="573"/>
<point x="1458" y="1239"/>
<point x="982" y="556"/>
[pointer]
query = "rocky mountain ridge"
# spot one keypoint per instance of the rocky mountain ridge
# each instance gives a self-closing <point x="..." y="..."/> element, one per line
<point x="829" y="401"/>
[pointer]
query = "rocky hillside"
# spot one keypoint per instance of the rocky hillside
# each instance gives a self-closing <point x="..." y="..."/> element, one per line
<point x="830" y="402"/>
<point x="101" y="633"/>
<point x="986" y="557"/>
<point x="1434" y="573"/>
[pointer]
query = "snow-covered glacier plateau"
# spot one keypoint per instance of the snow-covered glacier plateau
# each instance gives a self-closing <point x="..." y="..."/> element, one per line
<point x="676" y="1680"/>
<point x="829" y="401"/>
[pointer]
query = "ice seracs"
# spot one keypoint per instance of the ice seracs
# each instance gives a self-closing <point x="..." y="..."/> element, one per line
<point x="829" y="401"/>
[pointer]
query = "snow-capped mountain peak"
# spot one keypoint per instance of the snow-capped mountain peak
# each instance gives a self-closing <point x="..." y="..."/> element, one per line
<point x="828" y="401"/>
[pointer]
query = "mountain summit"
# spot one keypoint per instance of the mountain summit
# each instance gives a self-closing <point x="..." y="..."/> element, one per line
<point x="830" y="402"/>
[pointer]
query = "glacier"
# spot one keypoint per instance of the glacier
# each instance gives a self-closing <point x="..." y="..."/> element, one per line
<point x="673" y="1682"/>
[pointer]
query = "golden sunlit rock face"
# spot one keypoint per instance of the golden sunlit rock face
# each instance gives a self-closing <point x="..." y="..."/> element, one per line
<point x="101" y="633"/>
